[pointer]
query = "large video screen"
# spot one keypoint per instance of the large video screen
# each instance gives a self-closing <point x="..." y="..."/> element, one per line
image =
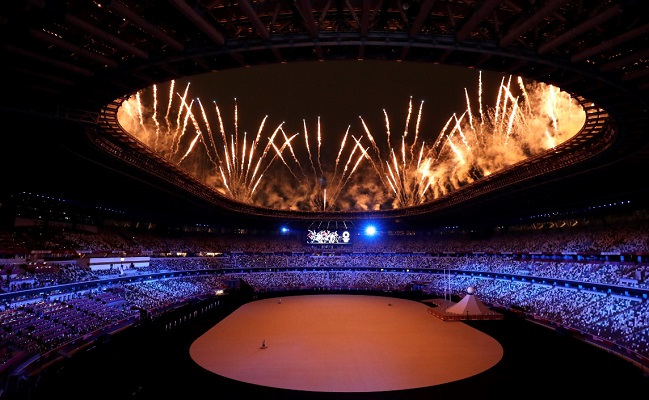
<point x="326" y="236"/>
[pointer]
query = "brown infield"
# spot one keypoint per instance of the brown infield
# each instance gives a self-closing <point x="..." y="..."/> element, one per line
<point x="343" y="343"/>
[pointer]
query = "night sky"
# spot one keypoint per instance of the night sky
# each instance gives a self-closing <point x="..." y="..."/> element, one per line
<point x="339" y="92"/>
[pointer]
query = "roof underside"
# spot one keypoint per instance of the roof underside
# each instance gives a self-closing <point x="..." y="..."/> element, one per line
<point x="69" y="59"/>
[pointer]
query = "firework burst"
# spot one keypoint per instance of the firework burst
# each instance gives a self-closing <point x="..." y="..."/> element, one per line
<point x="275" y="169"/>
<point x="476" y="143"/>
<point x="230" y="162"/>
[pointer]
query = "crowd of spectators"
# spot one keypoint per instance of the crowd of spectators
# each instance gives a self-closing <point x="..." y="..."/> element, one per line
<point x="625" y="234"/>
<point x="437" y="264"/>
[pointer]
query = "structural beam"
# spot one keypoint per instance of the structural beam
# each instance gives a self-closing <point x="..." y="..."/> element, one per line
<point x="63" y="44"/>
<point x="365" y="17"/>
<point x="424" y="12"/>
<point x="107" y="37"/>
<point x="199" y="21"/>
<point x="609" y="44"/>
<point x="530" y="23"/>
<point x="580" y="29"/>
<point x="483" y="12"/>
<point x="247" y="9"/>
<point x="143" y="24"/>
<point x="304" y="7"/>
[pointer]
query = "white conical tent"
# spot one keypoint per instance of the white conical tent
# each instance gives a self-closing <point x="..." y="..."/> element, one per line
<point x="469" y="305"/>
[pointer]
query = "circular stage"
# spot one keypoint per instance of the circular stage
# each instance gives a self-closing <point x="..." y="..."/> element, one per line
<point x="343" y="343"/>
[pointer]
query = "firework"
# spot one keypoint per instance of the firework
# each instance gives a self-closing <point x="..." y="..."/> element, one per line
<point x="279" y="170"/>
<point x="229" y="162"/>
<point x="477" y="143"/>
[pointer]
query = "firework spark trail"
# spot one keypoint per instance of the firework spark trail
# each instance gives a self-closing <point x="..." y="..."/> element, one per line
<point x="497" y="108"/>
<point x="344" y="177"/>
<point x="207" y="152"/>
<point x="393" y="176"/>
<point x="523" y="90"/>
<point x="512" y="114"/>
<point x="421" y="154"/>
<point x="387" y="127"/>
<point x="210" y="136"/>
<point x="351" y="173"/>
<point x="480" y="98"/>
<point x="188" y="114"/>
<point x="237" y="175"/>
<point x="155" y="113"/>
<point x="507" y="97"/>
<point x="335" y="181"/>
<point x="171" y="96"/>
<point x="225" y="180"/>
<point x="287" y="141"/>
<point x="429" y="183"/>
<point x="448" y="135"/>
<point x="270" y="143"/>
<point x="405" y="129"/>
<point x="183" y="102"/>
<point x="523" y="118"/>
<point x="376" y="149"/>
<point x="140" y="114"/>
<point x="511" y="123"/>
<point x="248" y="186"/>
<point x="278" y="154"/>
<point x="254" y="187"/>
<point x="340" y="151"/>
<point x="367" y="156"/>
<point x="235" y="138"/>
<point x="254" y="145"/>
<point x="233" y="157"/>
<point x="403" y="151"/>
<point x="469" y="111"/>
<point x="441" y="133"/>
<point x="457" y="151"/>
<point x="319" y="146"/>
<point x="414" y="142"/>
<point x="405" y="133"/>
<point x="260" y="161"/>
<point x="461" y="131"/>
<point x="243" y="153"/>
<point x="190" y="148"/>
<point x="196" y="138"/>
<point x="181" y="131"/>
<point x="346" y="167"/>
<point x="423" y="177"/>
<point x="371" y="138"/>
<point x="397" y="171"/>
<point x="468" y="108"/>
<point x="479" y="133"/>
<point x="308" y="147"/>
<point x="224" y="138"/>
<point x="551" y="107"/>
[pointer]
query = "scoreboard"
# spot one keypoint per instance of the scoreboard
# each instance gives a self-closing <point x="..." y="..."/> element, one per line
<point x="328" y="236"/>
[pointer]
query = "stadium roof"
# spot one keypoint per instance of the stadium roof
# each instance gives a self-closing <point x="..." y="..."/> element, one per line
<point x="65" y="63"/>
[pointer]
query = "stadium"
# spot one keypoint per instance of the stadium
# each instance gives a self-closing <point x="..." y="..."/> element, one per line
<point x="556" y="241"/>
